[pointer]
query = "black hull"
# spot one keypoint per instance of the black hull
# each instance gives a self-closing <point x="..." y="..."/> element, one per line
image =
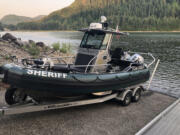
<point x="54" y="84"/>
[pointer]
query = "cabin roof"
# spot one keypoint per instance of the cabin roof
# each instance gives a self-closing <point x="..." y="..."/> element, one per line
<point x="111" y="31"/>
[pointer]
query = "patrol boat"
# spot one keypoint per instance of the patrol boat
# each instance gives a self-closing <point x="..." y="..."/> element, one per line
<point x="97" y="70"/>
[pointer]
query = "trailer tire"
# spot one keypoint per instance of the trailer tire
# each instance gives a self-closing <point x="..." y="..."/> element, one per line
<point x="137" y="96"/>
<point x="127" y="99"/>
<point x="10" y="96"/>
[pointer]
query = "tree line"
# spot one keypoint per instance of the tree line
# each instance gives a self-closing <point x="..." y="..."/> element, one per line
<point x="128" y="14"/>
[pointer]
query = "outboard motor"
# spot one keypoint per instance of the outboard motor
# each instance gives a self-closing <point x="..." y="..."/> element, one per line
<point x="136" y="58"/>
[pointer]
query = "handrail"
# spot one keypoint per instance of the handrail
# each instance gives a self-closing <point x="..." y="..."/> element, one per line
<point x="57" y="58"/>
<point x="85" y="65"/>
<point x="62" y="57"/>
<point x="95" y="66"/>
<point x="90" y="63"/>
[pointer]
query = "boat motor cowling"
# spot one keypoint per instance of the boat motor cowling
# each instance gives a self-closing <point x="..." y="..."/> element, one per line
<point x="136" y="58"/>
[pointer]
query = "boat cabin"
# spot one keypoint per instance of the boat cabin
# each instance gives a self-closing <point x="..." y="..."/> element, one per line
<point x="94" y="50"/>
<point x="94" y="54"/>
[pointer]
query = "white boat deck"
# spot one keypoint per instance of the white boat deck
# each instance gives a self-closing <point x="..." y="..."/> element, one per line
<point x="166" y="123"/>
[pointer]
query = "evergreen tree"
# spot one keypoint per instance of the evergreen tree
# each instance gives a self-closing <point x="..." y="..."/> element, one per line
<point x="128" y="14"/>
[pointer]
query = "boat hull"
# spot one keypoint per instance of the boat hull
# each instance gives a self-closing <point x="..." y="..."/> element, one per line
<point x="54" y="84"/>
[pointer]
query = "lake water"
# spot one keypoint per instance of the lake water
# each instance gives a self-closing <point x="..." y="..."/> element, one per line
<point x="49" y="37"/>
<point x="165" y="46"/>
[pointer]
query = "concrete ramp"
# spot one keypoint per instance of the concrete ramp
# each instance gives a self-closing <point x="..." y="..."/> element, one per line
<point x="166" y="123"/>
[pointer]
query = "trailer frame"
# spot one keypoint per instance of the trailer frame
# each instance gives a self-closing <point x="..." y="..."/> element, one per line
<point x="32" y="106"/>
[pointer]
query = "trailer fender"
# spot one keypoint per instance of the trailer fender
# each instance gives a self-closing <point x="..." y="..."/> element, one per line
<point x="135" y="90"/>
<point x="122" y="95"/>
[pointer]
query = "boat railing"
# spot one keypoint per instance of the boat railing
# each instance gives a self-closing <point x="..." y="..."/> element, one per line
<point x="67" y="60"/>
<point x="98" y="65"/>
<point x="70" y="59"/>
<point x="75" y="66"/>
<point x="79" y="66"/>
<point x="87" y="66"/>
<point x="51" y="60"/>
<point x="64" y="57"/>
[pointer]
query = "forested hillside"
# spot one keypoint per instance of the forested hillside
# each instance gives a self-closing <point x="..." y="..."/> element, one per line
<point x="128" y="14"/>
<point x="15" y="19"/>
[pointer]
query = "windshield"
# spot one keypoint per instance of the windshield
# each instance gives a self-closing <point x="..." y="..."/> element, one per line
<point x="93" y="40"/>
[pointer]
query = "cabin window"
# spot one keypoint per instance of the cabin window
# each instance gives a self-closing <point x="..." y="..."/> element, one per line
<point x="93" y="39"/>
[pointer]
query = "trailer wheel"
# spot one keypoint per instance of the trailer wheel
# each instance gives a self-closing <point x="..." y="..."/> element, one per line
<point x="127" y="99"/>
<point x="13" y="96"/>
<point x="137" y="96"/>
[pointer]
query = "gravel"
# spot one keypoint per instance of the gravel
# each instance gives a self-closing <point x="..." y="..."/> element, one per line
<point x="108" y="118"/>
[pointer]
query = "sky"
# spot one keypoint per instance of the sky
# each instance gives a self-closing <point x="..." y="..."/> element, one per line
<point x="31" y="8"/>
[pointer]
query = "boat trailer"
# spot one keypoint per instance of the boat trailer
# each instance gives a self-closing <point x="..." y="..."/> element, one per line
<point x="33" y="106"/>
